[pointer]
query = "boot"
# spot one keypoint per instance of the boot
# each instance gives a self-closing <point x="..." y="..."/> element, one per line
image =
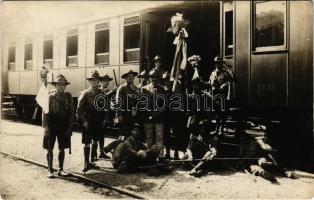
<point x="176" y="155"/>
<point x="167" y="156"/>
<point x="94" y="152"/>
<point x="61" y="162"/>
<point x="86" y="159"/>
<point x="50" y="163"/>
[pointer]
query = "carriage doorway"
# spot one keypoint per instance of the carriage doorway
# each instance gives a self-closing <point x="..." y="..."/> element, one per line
<point x="203" y="30"/>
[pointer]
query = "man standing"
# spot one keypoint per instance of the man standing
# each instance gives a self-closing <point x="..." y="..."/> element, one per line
<point x="58" y="123"/>
<point x="220" y="80"/>
<point x="159" y="70"/>
<point x="104" y="83"/>
<point x="125" y="103"/>
<point x="153" y="119"/>
<point x="91" y="119"/>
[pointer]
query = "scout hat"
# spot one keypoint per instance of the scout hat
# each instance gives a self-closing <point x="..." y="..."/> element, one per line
<point x="60" y="79"/>
<point x="93" y="74"/>
<point x="105" y="77"/>
<point x="218" y="59"/>
<point x="157" y="58"/>
<point x="129" y="72"/>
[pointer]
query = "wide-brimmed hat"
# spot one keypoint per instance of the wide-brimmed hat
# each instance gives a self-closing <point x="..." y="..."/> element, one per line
<point x="142" y="74"/>
<point x="61" y="80"/>
<point x="93" y="74"/>
<point x="129" y="72"/>
<point x="218" y="59"/>
<point x="104" y="77"/>
<point x="157" y="58"/>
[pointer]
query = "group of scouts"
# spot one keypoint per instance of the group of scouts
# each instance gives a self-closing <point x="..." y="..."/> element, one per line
<point x="143" y="135"/>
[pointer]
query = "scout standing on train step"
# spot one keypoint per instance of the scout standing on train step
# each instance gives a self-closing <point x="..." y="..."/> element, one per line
<point x="58" y="123"/>
<point x="91" y="119"/>
<point x="159" y="70"/>
<point x="104" y="83"/>
<point x="220" y="80"/>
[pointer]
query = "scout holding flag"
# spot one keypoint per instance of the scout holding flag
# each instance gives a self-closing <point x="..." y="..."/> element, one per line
<point x="178" y="25"/>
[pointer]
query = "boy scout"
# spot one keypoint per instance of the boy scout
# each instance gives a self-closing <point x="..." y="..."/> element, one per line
<point x="91" y="118"/>
<point x="58" y="123"/>
<point x="104" y="83"/>
<point x="220" y="80"/>
<point x="154" y="119"/>
<point x="127" y="113"/>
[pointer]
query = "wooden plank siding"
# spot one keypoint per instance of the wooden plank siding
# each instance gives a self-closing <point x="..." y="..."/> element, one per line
<point x="301" y="55"/>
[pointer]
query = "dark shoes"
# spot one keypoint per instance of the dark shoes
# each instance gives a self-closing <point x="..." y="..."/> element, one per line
<point x="89" y="166"/>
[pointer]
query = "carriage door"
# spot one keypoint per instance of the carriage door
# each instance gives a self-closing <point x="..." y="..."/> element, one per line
<point x="151" y="39"/>
<point x="228" y="37"/>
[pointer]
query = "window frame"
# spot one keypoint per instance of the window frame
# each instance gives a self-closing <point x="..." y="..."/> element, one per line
<point x="278" y="48"/>
<point x="9" y="62"/>
<point x="48" y="59"/>
<point x="228" y="8"/>
<point x="137" y="22"/>
<point x="25" y="52"/>
<point x="105" y="28"/>
<point x="71" y="33"/>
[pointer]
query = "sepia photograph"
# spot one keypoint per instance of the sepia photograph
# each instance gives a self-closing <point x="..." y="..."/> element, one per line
<point x="201" y="99"/>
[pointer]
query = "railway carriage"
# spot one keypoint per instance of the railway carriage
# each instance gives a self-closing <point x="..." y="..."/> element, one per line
<point x="268" y="44"/>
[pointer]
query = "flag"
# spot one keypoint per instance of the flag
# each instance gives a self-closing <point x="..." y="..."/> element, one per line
<point x="179" y="61"/>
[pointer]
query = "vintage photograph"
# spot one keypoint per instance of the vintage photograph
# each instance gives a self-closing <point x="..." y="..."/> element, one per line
<point x="156" y="99"/>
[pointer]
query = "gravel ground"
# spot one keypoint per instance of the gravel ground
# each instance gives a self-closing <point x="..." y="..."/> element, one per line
<point x="20" y="180"/>
<point x="26" y="140"/>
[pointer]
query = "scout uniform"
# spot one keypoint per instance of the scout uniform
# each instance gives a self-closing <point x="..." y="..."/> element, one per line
<point x="159" y="70"/>
<point x="167" y="116"/>
<point x="153" y="119"/>
<point x="220" y="80"/>
<point x="126" y="114"/>
<point x="265" y="166"/>
<point x="203" y="145"/>
<point x="88" y="114"/>
<point x="107" y="95"/>
<point x="132" y="153"/>
<point x="58" y="124"/>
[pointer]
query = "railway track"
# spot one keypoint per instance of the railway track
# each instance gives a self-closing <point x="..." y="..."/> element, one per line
<point x="85" y="179"/>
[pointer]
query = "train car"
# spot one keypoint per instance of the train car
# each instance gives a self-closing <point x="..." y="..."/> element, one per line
<point x="268" y="44"/>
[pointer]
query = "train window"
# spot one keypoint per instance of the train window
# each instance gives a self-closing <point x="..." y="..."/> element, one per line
<point x="132" y="39"/>
<point x="269" y="25"/>
<point x="48" y="53"/>
<point x="102" y="44"/>
<point x="229" y="33"/>
<point x="72" y="48"/>
<point x="28" y="56"/>
<point x="11" y="58"/>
